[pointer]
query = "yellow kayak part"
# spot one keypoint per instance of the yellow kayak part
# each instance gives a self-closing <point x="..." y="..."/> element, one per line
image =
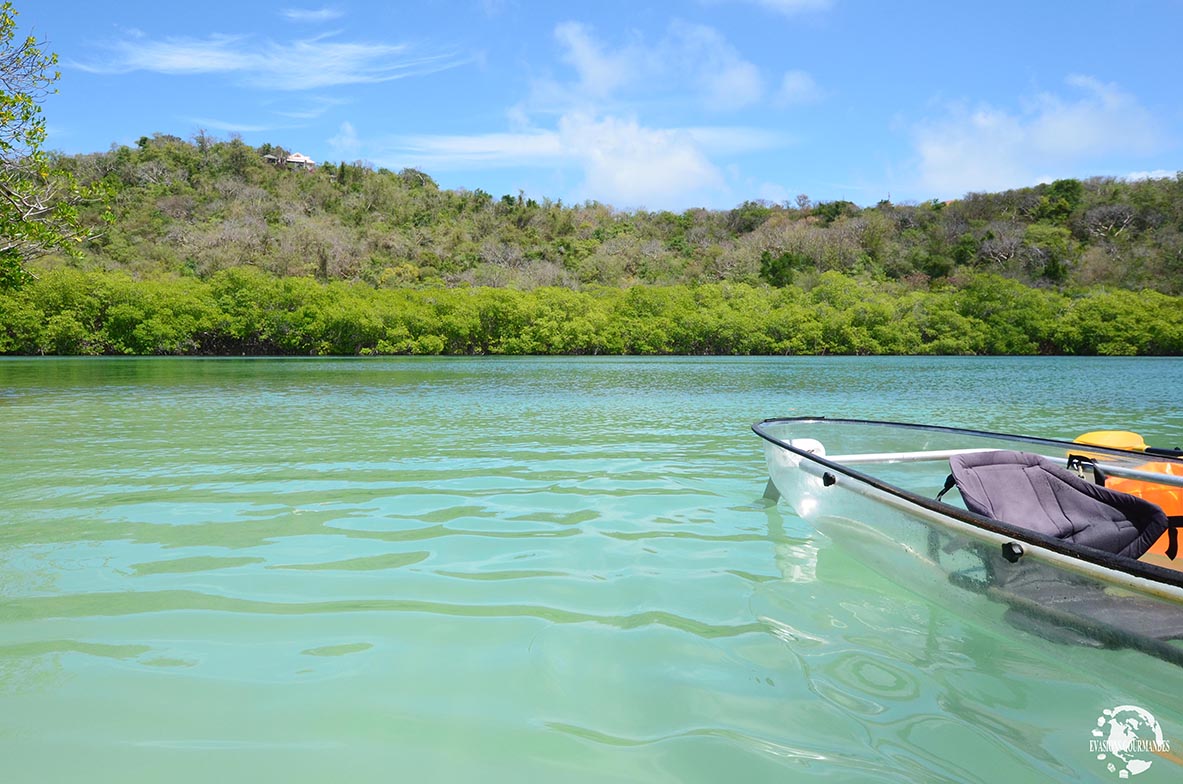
<point x="1114" y="439"/>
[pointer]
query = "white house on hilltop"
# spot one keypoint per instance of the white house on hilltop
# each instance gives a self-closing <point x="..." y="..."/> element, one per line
<point x="294" y="161"/>
<point x="297" y="160"/>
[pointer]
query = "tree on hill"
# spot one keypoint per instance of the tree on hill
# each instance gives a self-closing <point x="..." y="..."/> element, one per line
<point x="38" y="203"/>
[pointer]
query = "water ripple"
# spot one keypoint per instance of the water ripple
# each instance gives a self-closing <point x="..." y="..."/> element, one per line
<point x="508" y="570"/>
<point x="130" y="603"/>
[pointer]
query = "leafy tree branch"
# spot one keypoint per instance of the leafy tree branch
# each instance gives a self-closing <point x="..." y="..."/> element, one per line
<point x="38" y="203"/>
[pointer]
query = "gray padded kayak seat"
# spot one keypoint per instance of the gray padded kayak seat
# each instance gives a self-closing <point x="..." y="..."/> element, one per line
<point x="1030" y="491"/>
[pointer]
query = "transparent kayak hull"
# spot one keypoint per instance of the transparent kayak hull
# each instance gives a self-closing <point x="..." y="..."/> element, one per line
<point x="871" y="487"/>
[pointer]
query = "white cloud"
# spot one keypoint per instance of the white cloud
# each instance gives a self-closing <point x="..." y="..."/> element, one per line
<point x="224" y="125"/>
<point x="1157" y="174"/>
<point x="774" y="192"/>
<point x="688" y="63"/>
<point x="798" y="87"/>
<point x="493" y="7"/>
<point x="795" y="6"/>
<point x="785" y="7"/>
<point x="297" y="65"/>
<point x="1103" y="119"/>
<point x="346" y="143"/>
<point x="617" y="159"/>
<point x="979" y="150"/>
<point x="311" y="14"/>
<point x="988" y="148"/>
<point x="734" y="86"/>
<point x="626" y="164"/>
<point x="539" y="148"/>
<point x="567" y="142"/>
<point x="713" y="67"/>
<point x="216" y="54"/>
<point x="310" y="108"/>
<point x="725" y="140"/>
<point x="600" y="72"/>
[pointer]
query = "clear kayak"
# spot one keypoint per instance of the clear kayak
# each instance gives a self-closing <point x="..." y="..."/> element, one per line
<point x="1029" y="530"/>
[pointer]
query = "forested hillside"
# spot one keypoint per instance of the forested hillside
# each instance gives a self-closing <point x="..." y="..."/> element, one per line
<point x="212" y="248"/>
<point x="196" y="208"/>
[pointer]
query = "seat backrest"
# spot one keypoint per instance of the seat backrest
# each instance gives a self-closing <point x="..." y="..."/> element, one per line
<point x="1030" y="491"/>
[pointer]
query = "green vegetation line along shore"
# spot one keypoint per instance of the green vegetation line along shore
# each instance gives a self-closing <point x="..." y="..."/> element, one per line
<point x="246" y="311"/>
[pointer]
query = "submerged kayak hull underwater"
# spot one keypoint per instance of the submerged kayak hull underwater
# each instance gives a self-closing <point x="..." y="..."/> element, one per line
<point x="871" y="487"/>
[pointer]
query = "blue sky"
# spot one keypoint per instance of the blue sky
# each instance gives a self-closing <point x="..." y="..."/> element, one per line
<point x="660" y="105"/>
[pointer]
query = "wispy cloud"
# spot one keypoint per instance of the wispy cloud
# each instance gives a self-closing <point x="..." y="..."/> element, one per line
<point x="304" y="64"/>
<point x="228" y="126"/>
<point x="493" y="7"/>
<point x="346" y="143"/>
<point x="722" y="77"/>
<point x="1157" y="174"/>
<point x="794" y="6"/>
<point x="798" y="87"/>
<point x="311" y="14"/>
<point x="493" y="150"/>
<point x="785" y="7"/>
<point x="600" y="71"/>
<point x="309" y="108"/>
<point x="990" y="148"/>
<point x="542" y="147"/>
<point x="736" y="140"/>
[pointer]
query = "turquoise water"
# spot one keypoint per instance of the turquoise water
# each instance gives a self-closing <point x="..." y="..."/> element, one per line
<point x="512" y="570"/>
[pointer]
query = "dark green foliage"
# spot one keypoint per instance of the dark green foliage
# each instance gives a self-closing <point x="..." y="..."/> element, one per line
<point x="1059" y="200"/>
<point x="779" y="270"/>
<point x="965" y="250"/>
<point x="748" y="217"/>
<point x="830" y="211"/>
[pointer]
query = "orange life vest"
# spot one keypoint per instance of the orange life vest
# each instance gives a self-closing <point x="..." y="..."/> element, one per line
<point x="1169" y="498"/>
